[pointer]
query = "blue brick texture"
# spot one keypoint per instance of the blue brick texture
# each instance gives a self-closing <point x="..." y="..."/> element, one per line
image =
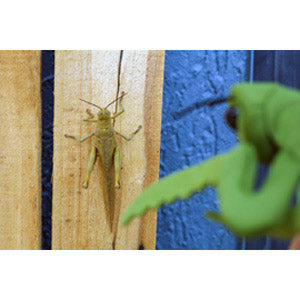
<point x="191" y="133"/>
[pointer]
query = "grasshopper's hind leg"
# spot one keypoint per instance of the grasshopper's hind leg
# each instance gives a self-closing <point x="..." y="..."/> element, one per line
<point x="91" y="161"/>
<point x="118" y="166"/>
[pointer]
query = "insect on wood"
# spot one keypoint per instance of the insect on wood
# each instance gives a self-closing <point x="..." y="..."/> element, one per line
<point x="107" y="149"/>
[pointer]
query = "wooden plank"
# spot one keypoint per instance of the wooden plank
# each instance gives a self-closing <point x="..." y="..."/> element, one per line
<point x="20" y="150"/>
<point x="78" y="215"/>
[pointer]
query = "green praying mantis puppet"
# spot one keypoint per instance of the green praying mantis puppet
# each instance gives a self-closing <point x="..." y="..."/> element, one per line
<point x="267" y="119"/>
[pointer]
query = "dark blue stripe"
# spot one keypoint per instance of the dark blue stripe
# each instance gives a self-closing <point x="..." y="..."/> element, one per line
<point x="47" y="144"/>
<point x="282" y="66"/>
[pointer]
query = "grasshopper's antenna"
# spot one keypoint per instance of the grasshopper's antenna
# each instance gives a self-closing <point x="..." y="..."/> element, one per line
<point x="123" y="94"/>
<point x="90" y="103"/>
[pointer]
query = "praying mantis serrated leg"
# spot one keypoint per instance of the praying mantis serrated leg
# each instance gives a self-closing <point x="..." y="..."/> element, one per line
<point x="179" y="185"/>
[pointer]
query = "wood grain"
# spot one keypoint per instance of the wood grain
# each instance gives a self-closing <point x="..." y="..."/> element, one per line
<point x="99" y="76"/>
<point x="20" y="150"/>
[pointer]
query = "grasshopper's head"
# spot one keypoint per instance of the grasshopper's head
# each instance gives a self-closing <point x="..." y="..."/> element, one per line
<point x="104" y="114"/>
<point x="247" y="115"/>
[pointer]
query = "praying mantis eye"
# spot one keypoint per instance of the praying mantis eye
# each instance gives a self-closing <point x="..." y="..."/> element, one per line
<point x="231" y="117"/>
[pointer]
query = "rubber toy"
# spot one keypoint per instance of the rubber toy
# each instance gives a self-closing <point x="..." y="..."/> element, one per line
<point x="267" y="119"/>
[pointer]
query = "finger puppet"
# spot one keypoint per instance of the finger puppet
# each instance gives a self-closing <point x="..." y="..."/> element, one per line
<point x="267" y="119"/>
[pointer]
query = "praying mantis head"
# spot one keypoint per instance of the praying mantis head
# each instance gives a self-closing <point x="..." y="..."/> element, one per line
<point x="247" y="114"/>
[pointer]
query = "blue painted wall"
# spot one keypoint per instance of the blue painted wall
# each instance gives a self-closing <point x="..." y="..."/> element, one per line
<point x="191" y="134"/>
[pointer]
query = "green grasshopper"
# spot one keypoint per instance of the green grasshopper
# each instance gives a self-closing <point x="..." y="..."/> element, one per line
<point x="107" y="148"/>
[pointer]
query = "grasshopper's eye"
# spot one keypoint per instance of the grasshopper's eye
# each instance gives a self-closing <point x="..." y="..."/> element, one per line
<point x="231" y="117"/>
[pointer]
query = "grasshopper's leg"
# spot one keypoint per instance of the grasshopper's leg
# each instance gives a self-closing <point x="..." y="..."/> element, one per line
<point x="121" y="106"/>
<point x="89" y="120"/>
<point x="91" y="161"/>
<point x="91" y="115"/>
<point x="78" y="139"/>
<point x="119" y="112"/>
<point x="118" y="166"/>
<point x="128" y="138"/>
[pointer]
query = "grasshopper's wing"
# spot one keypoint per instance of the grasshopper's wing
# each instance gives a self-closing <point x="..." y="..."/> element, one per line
<point x="179" y="185"/>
